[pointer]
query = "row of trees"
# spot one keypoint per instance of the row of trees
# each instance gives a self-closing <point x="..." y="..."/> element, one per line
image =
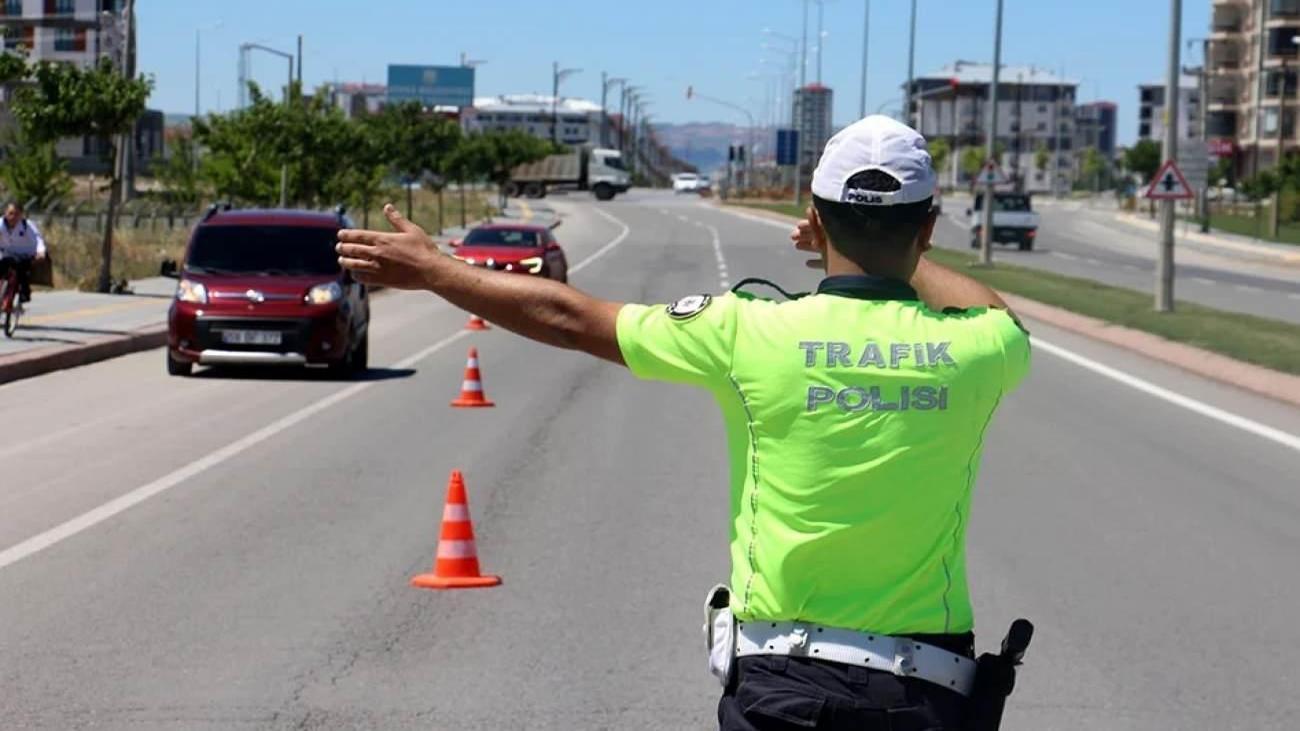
<point x="303" y="152"/>
<point x="972" y="159"/>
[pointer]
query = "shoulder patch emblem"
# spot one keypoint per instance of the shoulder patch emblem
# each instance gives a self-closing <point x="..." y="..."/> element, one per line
<point x="688" y="307"/>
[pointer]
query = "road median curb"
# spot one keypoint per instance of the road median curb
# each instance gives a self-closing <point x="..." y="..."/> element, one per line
<point x="45" y="360"/>
<point x="1262" y="252"/>
<point x="1266" y="382"/>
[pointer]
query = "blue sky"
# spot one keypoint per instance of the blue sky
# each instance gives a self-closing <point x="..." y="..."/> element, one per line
<point x="1110" y="46"/>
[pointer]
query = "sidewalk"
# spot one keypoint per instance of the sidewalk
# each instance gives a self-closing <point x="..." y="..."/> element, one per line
<point x="65" y="329"/>
<point x="1187" y="231"/>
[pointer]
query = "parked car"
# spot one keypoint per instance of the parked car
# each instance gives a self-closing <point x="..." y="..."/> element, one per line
<point x="1014" y="220"/>
<point x="514" y="247"/>
<point x="264" y="287"/>
<point x="686" y="183"/>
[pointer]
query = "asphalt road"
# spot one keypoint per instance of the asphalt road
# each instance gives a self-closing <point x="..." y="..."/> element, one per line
<point x="232" y="550"/>
<point x="1091" y="244"/>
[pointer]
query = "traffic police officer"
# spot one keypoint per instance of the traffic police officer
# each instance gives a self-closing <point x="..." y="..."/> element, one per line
<point x="855" y="419"/>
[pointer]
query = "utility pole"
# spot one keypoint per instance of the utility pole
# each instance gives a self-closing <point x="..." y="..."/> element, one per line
<point x="986" y="225"/>
<point x="1056" y="123"/>
<point x="126" y="141"/>
<point x="821" y="37"/>
<point x="911" y="62"/>
<point x="1165" y="261"/>
<point x="555" y="102"/>
<point x="299" y="63"/>
<point x="866" y="33"/>
<point x="800" y="112"/>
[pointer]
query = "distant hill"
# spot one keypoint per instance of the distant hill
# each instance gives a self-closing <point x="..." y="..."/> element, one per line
<point x="704" y="144"/>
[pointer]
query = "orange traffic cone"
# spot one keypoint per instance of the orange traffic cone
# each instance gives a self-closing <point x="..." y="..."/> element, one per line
<point x="471" y="390"/>
<point x="476" y="323"/>
<point x="456" y="564"/>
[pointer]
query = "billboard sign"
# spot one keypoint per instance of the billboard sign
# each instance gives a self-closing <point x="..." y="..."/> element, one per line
<point x="432" y="86"/>
<point x="787" y="146"/>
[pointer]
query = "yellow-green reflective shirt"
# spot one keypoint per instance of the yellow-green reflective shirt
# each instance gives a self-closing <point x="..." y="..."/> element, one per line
<point x="855" y="419"/>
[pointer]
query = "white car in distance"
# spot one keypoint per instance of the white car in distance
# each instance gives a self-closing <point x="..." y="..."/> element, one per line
<point x="688" y="183"/>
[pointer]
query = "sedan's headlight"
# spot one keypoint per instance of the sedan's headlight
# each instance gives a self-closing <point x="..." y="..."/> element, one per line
<point x="533" y="264"/>
<point x="323" y="294"/>
<point x="192" y="292"/>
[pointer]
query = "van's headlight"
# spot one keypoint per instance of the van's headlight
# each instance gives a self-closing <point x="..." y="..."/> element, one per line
<point x="323" y="294"/>
<point x="533" y="264"/>
<point x="192" y="292"/>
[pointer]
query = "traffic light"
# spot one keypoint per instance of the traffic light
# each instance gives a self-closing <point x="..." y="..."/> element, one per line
<point x="740" y="153"/>
<point x="731" y="153"/>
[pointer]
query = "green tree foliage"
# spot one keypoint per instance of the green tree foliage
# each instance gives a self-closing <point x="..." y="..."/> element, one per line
<point x="415" y="142"/>
<point x="940" y="151"/>
<point x="1042" y="157"/>
<point x="1093" y="164"/>
<point x="1143" y="159"/>
<point x="503" y="151"/>
<point x="179" y="173"/>
<point x="64" y="100"/>
<point x="33" y="174"/>
<point x="311" y="141"/>
<point x="1223" y="172"/>
<point x="972" y="159"/>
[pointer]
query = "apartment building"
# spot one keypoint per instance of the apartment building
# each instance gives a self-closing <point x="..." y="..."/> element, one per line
<point x="78" y="32"/>
<point x="1151" y="110"/>
<point x="1035" y="111"/>
<point x="577" y="120"/>
<point x="813" y="106"/>
<point x="1095" y="126"/>
<point x="1251" y="85"/>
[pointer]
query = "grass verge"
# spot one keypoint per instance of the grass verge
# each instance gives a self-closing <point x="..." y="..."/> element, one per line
<point x="1287" y="233"/>
<point x="1269" y="343"/>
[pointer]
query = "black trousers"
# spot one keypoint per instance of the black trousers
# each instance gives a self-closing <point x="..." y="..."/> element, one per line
<point x="24" y="268"/>
<point x="776" y="693"/>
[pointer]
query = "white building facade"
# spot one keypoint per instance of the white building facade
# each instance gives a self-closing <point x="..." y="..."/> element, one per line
<point x="576" y="121"/>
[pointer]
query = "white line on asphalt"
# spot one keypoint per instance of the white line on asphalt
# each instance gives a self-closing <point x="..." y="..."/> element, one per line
<point x="682" y="218"/>
<point x="1064" y="255"/>
<point x="1094" y="262"/>
<point x="1246" y="288"/>
<point x="122" y="503"/>
<point x="724" y="279"/>
<point x="1130" y="267"/>
<point x="1203" y="280"/>
<point x="1226" y="417"/>
<point x="1261" y="430"/>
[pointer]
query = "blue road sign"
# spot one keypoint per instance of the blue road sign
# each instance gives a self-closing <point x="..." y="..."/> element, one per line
<point x="442" y="86"/>
<point x="787" y="146"/>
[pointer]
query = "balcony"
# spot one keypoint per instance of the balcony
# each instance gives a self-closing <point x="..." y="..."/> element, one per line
<point x="1283" y="9"/>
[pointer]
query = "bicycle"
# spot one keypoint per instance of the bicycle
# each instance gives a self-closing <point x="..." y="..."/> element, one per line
<point x="11" y="304"/>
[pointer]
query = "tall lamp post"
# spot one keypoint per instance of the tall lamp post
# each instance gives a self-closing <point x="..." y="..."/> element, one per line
<point x="749" y="157"/>
<point x="986" y="224"/>
<point x="198" y="85"/>
<point x="557" y="75"/>
<point x="244" y="50"/>
<point x="605" y="83"/>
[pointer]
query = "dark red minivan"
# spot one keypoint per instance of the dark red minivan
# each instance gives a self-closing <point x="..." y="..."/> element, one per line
<point x="264" y="287"/>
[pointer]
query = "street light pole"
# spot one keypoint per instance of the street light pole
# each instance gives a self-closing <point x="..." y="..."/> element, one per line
<point x="866" y="33"/>
<point x="986" y="224"/>
<point x="557" y="75"/>
<point x="800" y="112"/>
<point x="1164" y="300"/>
<point x="911" y="61"/>
<point x="604" y="111"/>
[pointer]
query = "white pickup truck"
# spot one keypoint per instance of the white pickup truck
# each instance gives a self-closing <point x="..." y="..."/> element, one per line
<point x="1014" y="221"/>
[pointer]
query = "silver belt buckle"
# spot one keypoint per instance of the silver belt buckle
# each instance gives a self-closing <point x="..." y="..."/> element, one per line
<point x="799" y="641"/>
<point x="904" y="662"/>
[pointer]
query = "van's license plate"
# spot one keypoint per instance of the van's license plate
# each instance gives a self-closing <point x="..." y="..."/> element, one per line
<point x="251" y="337"/>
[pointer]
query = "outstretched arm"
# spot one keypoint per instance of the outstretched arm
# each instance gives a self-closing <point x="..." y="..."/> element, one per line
<point x="539" y="309"/>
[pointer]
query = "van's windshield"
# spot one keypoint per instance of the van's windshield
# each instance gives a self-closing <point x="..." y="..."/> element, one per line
<point x="267" y="250"/>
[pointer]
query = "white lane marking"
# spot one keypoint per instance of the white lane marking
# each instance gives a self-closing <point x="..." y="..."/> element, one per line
<point x="1240" y="422"/>
<point x="1203" y="280"/>
<point x="1130" y="267"/>
<point x="682" y="218"/>
<point x="122" y="503"/>
<point x="607" y="247"/>
<point x="1064" y="255"/>
<point x="756" y="219"/>
<point x="1246" y="288"/>
<point x="1093" y="262"/>
<point x="724" y="279"/>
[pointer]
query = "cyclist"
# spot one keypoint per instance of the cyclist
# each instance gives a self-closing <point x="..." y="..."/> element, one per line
<point x="20" y="243"/>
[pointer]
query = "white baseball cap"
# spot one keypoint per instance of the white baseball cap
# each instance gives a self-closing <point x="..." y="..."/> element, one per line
<point x="875" y="143"/>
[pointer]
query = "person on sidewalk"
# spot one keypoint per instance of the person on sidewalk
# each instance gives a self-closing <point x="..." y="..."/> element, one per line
<point x="855" y="417"/>
<point x="20" y="243"/>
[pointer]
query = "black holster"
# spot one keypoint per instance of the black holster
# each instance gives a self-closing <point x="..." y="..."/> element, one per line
<point x="995" y="678"/>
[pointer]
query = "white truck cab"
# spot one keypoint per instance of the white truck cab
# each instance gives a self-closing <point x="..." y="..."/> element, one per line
<point x="607" y="174"/>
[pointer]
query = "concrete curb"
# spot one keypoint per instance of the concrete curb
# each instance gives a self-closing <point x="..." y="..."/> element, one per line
<point x="1214" y="241"/>
<point x="44" y="360"/>
<point x="1257" y="379"/>
<point x="1266" y="382"/>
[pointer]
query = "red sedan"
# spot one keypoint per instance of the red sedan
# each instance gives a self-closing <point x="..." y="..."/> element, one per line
<point x="514" y="247"/>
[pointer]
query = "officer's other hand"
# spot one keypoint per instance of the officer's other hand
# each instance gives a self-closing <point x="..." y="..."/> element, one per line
<point x="400" y="259"/>
<point x="808" y="235"/>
